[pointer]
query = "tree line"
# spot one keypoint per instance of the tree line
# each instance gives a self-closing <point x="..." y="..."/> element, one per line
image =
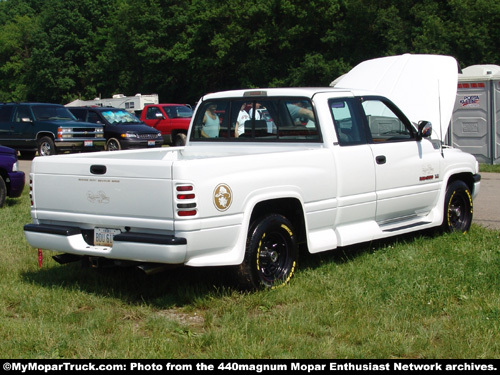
<point x="60" y="50"/>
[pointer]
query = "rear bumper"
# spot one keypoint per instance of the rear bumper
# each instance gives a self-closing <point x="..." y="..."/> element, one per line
<point x="141" y="247"/>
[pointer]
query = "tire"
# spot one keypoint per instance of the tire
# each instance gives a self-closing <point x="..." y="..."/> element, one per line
<point x="457" y="208"/>
<point x="113" y="144"/>
<point x="271" y="254"/>
<point x="3" y="191"/>
<point x="180" y="139"/>
<point x="46" y="147"/>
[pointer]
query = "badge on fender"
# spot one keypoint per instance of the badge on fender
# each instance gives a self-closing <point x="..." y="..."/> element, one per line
<point x="223" y="197"/>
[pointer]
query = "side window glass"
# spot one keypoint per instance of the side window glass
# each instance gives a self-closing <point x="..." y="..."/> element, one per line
<point x="151" y="113"/>
<point x="348" y="125"/>
<point x="22" y="113"/>
<point x="94" y="118"/>
<point x="384" y="124"/>
<point x="5" y="113"/>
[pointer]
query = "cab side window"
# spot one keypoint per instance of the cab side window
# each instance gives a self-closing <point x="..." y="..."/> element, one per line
<point x="5" y="113"/>
<point x="23" y="112"/>
<point x="152" y="113"/>
<point x="384" y="123"/>
<point x="347" y="122"/>
<point x="94" y="118"/>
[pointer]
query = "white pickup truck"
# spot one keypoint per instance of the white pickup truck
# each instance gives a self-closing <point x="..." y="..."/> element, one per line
<point x="267" y="170"/>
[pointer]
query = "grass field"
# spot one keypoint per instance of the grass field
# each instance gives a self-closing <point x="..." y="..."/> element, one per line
<point x="422" y="296"/>
<point x="489" y="168"/>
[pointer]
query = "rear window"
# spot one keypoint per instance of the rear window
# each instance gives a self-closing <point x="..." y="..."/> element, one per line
<point x="258" y="119"/>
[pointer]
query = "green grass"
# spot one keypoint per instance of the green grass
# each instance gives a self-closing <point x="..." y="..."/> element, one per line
<point x="489" y="168"/>
<point x="421" y="296"/>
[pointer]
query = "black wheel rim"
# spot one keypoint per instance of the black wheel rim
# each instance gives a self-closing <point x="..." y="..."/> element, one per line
<point x="458" y="212"/>
<point x="274" y="257"/>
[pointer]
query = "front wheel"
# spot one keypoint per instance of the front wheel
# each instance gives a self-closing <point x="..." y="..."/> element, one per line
<point x="271" y="253"/>
<point x="46" y="147"/>
<point x="457" y="208"/>
<point x="113" y="144"/>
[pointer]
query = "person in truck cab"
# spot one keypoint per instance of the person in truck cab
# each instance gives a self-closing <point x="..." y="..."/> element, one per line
<point x="240" y="122"/>
<point x="211" y="123"/>
<point x="298" y="111"/>
<point x="257" y="112"/>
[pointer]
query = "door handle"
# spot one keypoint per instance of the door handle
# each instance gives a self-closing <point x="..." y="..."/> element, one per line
<point x="98" y="169"/>
<point x="381" y="159"/>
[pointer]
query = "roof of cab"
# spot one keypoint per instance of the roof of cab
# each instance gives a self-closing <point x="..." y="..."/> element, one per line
<point x="307" y="92"/>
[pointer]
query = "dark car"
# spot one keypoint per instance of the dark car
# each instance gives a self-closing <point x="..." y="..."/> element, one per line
<point x="122" y="129"/>
<point x="11" y="178"/>
<point x="46" y="128"/>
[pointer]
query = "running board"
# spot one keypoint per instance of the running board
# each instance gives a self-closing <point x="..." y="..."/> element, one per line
<point x="409" y="226"/>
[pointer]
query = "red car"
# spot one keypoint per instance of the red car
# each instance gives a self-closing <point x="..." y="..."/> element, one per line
<point x="11" y="178"/>
<point x="172" y="120"/>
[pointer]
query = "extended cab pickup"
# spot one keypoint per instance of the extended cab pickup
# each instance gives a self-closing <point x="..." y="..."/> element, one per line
<point x="172" y="120"/>
<point x="46" y="128"/>
<point x="324" y="168"/>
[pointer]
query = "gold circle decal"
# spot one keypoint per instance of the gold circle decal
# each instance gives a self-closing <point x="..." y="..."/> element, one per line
<point x="223" y="197"/>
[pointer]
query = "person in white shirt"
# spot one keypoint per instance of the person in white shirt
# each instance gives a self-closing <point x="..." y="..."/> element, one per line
<point x="240" y="121"/>
<point x="257" y="113"/>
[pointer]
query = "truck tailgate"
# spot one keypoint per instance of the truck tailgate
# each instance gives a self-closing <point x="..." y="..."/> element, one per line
<point x="103" y="189"/>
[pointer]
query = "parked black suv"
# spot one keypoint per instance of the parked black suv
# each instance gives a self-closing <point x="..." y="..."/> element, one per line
<point x="122" y="129"/>
<point x="46" y="128"/>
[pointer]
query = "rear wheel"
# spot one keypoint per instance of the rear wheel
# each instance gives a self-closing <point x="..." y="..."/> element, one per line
<point x="271" y="253"/>
<point x="113" y="144"/>
<point x="46" y="147"/>
<point x="457" y="208"/>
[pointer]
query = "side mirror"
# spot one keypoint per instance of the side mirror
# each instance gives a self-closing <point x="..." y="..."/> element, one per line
<point x="26" y="119"/>
<point x="424" y="130"/>
<point x="159" y="116"/>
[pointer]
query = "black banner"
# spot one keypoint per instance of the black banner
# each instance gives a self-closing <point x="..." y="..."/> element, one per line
<point x="256" y="366"/>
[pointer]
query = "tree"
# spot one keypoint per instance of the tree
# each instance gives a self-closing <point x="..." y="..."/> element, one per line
<point x="58" y="50"/>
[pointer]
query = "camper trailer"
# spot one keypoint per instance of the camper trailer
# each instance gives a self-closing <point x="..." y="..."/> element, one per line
<point x="134" y="103"/>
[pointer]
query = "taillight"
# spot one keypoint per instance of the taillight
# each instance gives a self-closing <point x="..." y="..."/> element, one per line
<point x="186" y="204"/>
<point x="31" y="192"/>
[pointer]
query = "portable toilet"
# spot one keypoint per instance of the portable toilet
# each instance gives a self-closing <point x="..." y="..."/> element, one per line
<point x="475" y="124"/>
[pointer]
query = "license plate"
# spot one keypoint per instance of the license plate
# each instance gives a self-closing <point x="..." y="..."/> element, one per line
<point x="151" y="143"/>
<point x="104" y="236"/>
<point x="88" y="143"/>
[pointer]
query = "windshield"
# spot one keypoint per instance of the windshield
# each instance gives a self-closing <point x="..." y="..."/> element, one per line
<point x="52" y="112"/>
<point x="179" y="111"/>
<point x="120" y="117"/>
